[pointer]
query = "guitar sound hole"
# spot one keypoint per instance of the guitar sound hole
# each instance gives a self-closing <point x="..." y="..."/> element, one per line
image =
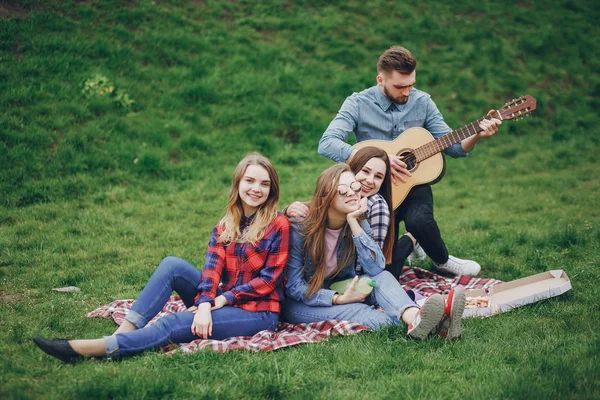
<point x="409" y="158"/>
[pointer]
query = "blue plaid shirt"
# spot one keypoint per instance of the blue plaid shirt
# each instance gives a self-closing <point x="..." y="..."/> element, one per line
<point x="378" y="217"/>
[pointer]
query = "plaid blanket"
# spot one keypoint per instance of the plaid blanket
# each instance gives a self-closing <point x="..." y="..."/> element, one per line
<point x="285" y="336"/>
<point x="422" y="282"/>
<point x="427" y="283"/>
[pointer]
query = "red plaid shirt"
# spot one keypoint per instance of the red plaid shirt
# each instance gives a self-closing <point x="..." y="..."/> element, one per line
<point x="252" y="276"/>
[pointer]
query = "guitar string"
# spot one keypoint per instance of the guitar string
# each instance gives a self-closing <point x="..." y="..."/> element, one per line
<point x="426" y="148"/>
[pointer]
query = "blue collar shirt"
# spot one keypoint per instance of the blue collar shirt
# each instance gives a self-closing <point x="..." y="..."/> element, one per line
<point x="371" y="115"/>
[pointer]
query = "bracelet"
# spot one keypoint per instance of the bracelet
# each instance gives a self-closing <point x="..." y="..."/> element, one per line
<point x="334" y="298"/>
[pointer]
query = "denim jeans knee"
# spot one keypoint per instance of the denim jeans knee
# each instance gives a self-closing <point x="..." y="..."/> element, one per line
<point x="172" y="274"/>
<point x="390" y="295"/>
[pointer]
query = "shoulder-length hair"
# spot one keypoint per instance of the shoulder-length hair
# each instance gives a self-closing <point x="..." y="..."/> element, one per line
<point x="266" y="212"/>
<point x="357" y="162"/>
<point x="313" y="227"/>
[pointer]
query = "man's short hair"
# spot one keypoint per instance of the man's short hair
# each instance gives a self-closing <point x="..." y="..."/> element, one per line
<point x="397" y="58"/>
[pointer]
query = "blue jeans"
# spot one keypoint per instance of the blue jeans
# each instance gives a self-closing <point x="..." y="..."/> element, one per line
<point x="176" y="274"/>
<point x="387" y="293"/>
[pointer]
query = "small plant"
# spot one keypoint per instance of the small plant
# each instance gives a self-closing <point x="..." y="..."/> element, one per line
<point x="123" y="99"/>
<point x="99" y="85"/>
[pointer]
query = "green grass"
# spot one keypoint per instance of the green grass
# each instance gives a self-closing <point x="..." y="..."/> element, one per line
<point x="98" y="185"/>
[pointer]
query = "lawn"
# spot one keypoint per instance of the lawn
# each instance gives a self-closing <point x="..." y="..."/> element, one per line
<point x="123" y="120"/>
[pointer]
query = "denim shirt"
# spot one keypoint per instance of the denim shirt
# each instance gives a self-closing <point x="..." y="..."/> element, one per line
<point x="300" y="268"/>
<point x="371" y="115"/>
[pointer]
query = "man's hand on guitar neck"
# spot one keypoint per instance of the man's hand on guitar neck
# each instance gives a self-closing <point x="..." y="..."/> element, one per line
<point x="489" y="126"/>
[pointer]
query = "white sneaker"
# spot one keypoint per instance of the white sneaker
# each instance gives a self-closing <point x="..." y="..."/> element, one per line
<point x="418" y="254"/>
<point x="457" y="266"/>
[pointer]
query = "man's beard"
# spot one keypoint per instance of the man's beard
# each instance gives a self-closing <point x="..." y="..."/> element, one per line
<point x="397" y="100"/>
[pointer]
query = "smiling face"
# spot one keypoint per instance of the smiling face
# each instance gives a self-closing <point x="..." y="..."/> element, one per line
<point x="345" y="203"/>
<point x="396" y="86"/>
<point x="254" y="188"/>
<point x="371" y="176"/>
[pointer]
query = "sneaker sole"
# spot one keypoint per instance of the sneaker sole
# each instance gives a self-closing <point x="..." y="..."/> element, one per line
<point x="431" y="314"/>
<point x="458" y="307"/>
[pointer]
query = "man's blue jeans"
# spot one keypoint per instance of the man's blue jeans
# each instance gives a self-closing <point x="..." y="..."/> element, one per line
<point x="387" y="293"/>
<point x="177" y="274"/>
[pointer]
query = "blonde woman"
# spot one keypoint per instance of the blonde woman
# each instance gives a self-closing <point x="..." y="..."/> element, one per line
<point x="247" y="255"/>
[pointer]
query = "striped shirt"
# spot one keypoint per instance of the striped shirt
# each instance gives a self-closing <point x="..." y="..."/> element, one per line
<point x="250" y="276"/>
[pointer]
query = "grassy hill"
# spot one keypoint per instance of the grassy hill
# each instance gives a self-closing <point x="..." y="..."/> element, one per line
<point x="122" y="122"/>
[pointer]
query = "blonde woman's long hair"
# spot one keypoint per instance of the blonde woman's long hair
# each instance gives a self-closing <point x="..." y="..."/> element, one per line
<point x="356" y="164"/>
<point x="266" y="212"/>
<point x="313" y="227"/>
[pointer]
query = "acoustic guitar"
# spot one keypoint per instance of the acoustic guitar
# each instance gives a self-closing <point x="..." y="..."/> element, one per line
<point x="422" y="152"/>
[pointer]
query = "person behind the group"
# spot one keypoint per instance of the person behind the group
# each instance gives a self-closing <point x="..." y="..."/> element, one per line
<point x="385" y="111"/>
<point x="247" y="254"/>
<point x="371" y="166"/>
<point x="325" y="247"/>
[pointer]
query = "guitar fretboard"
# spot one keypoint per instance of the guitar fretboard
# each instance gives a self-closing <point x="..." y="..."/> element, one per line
<point x="442" y="143"/>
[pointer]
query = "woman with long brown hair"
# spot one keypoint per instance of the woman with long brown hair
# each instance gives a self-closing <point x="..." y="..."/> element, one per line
<point x="371" y="165"/>
<point x="238" y="293"/>
<point x="325" y="248"/>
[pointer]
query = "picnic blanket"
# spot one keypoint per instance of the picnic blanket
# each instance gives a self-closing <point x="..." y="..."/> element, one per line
<point x="427" y="283"/>
<point x="285" y="336"/>
<point x="421" y="282"/>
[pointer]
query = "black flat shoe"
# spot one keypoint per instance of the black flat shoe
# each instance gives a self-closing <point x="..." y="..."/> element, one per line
<point x="59" y="348"/>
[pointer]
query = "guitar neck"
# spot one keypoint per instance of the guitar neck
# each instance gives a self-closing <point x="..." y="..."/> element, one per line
<point x="442" y="143"/>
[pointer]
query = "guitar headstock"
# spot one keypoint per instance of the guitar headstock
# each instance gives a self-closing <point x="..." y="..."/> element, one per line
<point x="518" y="108"/>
